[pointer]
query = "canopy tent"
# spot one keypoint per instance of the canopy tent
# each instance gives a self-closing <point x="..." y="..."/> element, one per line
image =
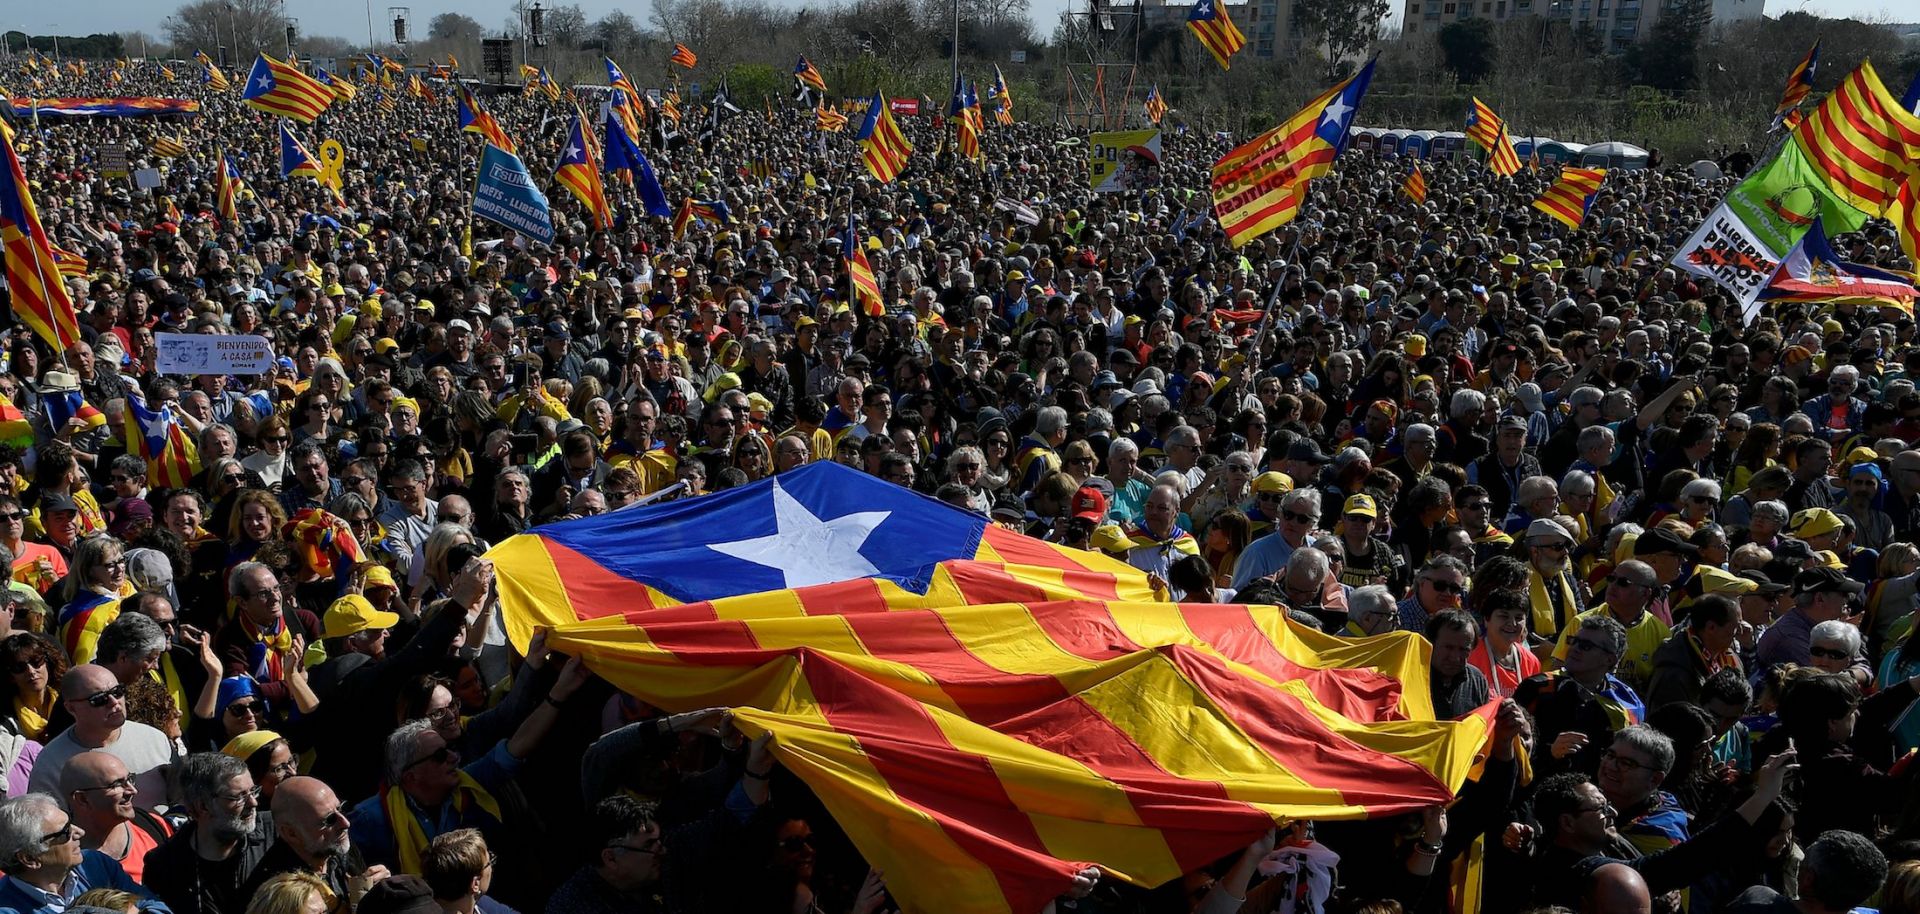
<point x="1615" y="155"/>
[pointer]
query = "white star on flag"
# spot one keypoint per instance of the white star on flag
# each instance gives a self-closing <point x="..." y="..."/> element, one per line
<point x="807" y="550"/>
<point x="266" y="82"/>
<point x="1336" y="110"/>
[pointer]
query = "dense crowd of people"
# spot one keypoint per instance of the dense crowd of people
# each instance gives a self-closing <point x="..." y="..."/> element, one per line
<point x="1677" y="549"/>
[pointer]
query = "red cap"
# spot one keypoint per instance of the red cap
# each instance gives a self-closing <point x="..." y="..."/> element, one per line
<point x="1087" y="502"/>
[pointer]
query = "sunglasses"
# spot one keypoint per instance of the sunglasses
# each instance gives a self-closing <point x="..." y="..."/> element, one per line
<point x="32" y="663"/>
<point x="1625" y="582"/>
<point x="1299" y="518"/>
<point x="12" y="515"/>
<point x="104" y="698"/>
<point x="1588" y="644"/>
<point x="439" y="757"/>
<point x="1446" y="587"/>
<point x="244" y="709"/>
<point x="1828" y="653"/>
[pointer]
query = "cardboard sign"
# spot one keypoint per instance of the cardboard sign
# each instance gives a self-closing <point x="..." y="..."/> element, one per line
<point x="203" y="353"/>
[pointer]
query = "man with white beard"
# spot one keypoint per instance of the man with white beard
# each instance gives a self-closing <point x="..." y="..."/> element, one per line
<point x="203" y="868"/>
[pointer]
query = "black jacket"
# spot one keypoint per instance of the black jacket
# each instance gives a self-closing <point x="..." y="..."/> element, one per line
<point x="190" y="885"/>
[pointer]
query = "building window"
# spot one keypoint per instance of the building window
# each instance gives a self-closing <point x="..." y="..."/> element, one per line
<point x="1413" y="9"/>
<point x="1486" y="8"/>
<point x="1502" y="9"/>
<point x="1448" y="8"/>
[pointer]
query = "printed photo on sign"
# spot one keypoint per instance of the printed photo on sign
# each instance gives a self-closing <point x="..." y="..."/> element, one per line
<point x="1123" y="160"/>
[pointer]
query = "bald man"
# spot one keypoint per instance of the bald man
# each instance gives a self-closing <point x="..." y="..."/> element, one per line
<point x="98" y="794"/>
<point x="310" y="829"/>
<point x="98" y="703"/>
<point x="1616" y="888"/>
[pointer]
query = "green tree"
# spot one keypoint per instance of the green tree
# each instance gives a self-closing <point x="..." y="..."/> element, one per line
<point x="454" y="27"/>
<point x="1669" y="60"/>
<point x="1344" y="28"/>
<point x="1467" y="46"/>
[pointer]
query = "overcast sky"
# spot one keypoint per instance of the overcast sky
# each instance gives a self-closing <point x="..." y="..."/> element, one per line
<point x="349" y="20"/>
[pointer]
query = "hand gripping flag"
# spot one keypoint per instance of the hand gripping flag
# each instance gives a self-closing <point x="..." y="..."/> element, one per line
<point x="1567" y="200"/>
<point x="1812" y="272"/>
<point x="985" y="713"/>
<point x="281" y="89"/>
<point x="65" y="406"/>
<point x="33" y="277"/>
<point x="1487" y="129"/>
<point x="883" y="147"/>
<point x="805" y="72"/>
<point x="1156" y="106"/>
<point x="157" y="437"/>
<point x="684" y="56"/>
<point x="1862" y="140"/>
<point x="227" y="192"/>
<point x="1260" y="185"/>
<point x="1210" y="23"/>
<point x="475" y="119"/>
<point x="1415" y="186"/>
<point x="1799" y="86"/>
<point x="862" y="287"/>
<point x="579" y="173"/>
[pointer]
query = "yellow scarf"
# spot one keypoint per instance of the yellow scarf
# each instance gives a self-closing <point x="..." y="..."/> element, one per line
<point x="33" y="721"/>
<point x="1543" y="619"/>
<point x="409" y="839"/>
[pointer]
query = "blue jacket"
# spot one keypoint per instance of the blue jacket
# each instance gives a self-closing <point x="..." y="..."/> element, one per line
<point x="96" y="871"/>
<point x="1820" y="408"/>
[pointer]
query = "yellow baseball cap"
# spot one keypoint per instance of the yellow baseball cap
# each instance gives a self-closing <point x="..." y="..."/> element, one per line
<point x="1813" y="522"/>
<point x="1273" y="481"/>
<point x="352" y="614"/>
<point x="1361" y="504"/>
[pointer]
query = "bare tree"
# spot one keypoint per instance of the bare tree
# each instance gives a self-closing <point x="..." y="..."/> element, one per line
<point x="244" y="27"/>
<point x="617" y="32"/>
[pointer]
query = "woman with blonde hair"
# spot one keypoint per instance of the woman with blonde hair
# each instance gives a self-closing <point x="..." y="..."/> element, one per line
<point x="257" y="518"/>
<point x="96" y="582"/>
<point x="292" y="892"/>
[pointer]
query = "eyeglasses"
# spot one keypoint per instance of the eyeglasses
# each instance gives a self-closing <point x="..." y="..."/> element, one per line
<point x="60" y="837"/>
<point x="31" y="663"/>
<point x="1604" y="809"/>
<point x="1446" y="587"/>
<point x="285" y="769"/>
<point x="1588" y="644"/>
<point x="1624" y="763"/>
<point x="1618" y="581"/>
<point x="1239" y="468"/>
<point x="794" y="844"/>
<point x="12" y="515"/>
<point x="103" y="698"/>
<point x="1829" y="653"/>
<point x="1299" y="518"/>
<point x="275" y="439"/>
<point x="994" y="442"/>
<point x="125" y="783"/>
<point x="319" y="405"/>
<point x="654" y="846"/>
<point x="1275" y="497"/>
<point x="251" y="793"/>
<point x="1704" y="500"/>
<point x="966" y="466"/>
<point x="1555" y="546"/>
<point x="439" y="757"/>
<point x="245" y="708"/>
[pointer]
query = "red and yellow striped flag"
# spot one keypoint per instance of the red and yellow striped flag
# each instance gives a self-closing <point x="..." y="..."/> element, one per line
<point x="883" y="147"/>
<point x="827" y="120"/>
<point x="1215" y="29"/>
<point x="1260" y="185"/>
<point x="39" y="293"/>
<point x="1487" y="129"/>
<point x="167" y="147"/>
<point x="979" y="747"/>
<point x="1567" y="200"/>
<point x="684" y="56"/>
<point x="1415" y="186"/>
<point x="1863" y="140"/>
<point x="1905" y="216"/>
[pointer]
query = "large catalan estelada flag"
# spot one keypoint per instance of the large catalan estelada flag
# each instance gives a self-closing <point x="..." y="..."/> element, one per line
<point x="33" y="276"/>
<point x="343" y="90"/>
<point x="281" y="89"/>
<point x="1813" y="272"/>
<point x="157" y="437"/>
<point x="1863" y="141"/>
<point x="984" y="713"/>
<point x="475" y="119"/>
<point x="1260" y="185"/>
<point x="1210" y="23"/>
<point x="295" y="160"/>
<point x="1487" y="129"/>
<point x="684" y="56"/>
<point x="808" y="74"/>
<point x="883" y="147"/>
<point x="1567" y="200"/>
